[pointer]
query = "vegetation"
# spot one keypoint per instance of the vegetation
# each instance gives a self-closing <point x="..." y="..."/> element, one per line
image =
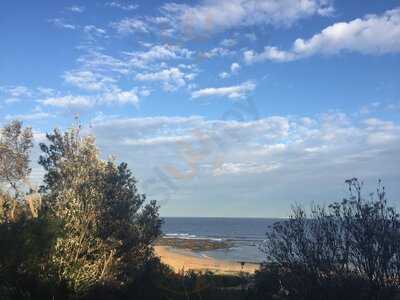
<point x="87" y="233"/>
<point x="87" y="226"/>
<point x="107" y="227"/>
<point x="349" y="250"/>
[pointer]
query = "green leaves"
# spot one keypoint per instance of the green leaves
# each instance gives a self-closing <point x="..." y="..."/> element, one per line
<point x="108" y="229"/>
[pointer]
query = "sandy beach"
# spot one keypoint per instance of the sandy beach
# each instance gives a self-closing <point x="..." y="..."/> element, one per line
<point x="182" y="259"/>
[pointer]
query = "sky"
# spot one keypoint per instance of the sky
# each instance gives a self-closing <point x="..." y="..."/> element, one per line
<point x="228" y="108"/>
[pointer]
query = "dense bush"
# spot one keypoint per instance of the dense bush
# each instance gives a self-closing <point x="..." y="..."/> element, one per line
<point x="108" y="228"/>
<point x="88" y="227"/>
<point x="350" y="250"/>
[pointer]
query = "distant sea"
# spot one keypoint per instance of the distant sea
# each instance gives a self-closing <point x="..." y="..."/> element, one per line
<point x="246" y="234"/>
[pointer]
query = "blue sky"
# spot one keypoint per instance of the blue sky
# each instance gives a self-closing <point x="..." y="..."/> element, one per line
<point x="221" y="108"/>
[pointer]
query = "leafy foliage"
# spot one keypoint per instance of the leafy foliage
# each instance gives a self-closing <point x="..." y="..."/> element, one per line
<point x="15" y="147"/>
<point x="108" y="228"/>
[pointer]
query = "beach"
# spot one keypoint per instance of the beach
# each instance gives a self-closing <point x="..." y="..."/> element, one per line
<point x="185" y="259"/>
<point x="219" y="245"/>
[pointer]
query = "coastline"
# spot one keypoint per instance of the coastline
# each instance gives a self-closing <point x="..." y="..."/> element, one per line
<point x="186" y="259"/>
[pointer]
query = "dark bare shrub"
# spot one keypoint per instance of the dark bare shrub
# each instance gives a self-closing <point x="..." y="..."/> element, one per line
<point x="354" y="243"/>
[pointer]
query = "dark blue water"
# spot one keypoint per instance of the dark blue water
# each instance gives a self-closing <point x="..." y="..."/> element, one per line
<point x="246" y="235"/>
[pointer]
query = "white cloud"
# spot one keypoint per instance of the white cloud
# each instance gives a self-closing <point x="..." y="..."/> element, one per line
<point x="121" y="97"/>
<point x="146" y="127"/>
<point x="269" y="137"/>
<point x="16" y="91"/>
<point x="130" y="25"/>
<point x="94" y="32"/>
<point x="214" y="16"/>
<point x="154" y="58"/>
<point x="224" y="75"/>
<point x="145" y="92"/>
<point x="232" y="92"/>
<point x="60" y="23"/>
<point x="29" y="117"/>
<point x="151" y="130"/>
<point x="158" y="141"/>
<point x="69" y="101"/>
<point x="235" y="67"/>
<point x="87" y="80"/>
<point x="172" y="79"/>
<point x="123" y="6"/>
<point x="15" y="94"/>
<point x="234" y="70"/>
<point x="46" y="91"/>
<point x="245" y="168"/>
<point x="157" y="53"/>
<point x="277" y="143"/>
<point x="98" y="61"/>
<point x="76" y="9"/>
<point x="373" y="34"/>
<point x="217" y="52"/>
<point x="80" y="102"/>
<point x="269" y="53"/>
<point x="228" y="43"/>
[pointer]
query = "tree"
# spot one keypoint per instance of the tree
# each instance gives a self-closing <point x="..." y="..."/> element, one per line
<point x="354" y="243"/>
<point x="26" y="234"/>
<point x="108" y="228"/>
<point x="15" y="147"/>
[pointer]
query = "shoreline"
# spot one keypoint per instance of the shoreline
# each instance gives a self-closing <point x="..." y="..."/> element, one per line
<point x="186" y="259"/>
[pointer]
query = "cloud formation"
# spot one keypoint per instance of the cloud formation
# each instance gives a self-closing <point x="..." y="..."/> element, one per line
<point x="60" y="23"/>
<point x="232" y="92"/>
<point x="76" y="9"/>
<point x="83" y="102"/>
<point x="373" y="34"/>
<point x="121" y="5"/>
<point x="130" y="25"/>
<point x="69" y="101"/>
<point x="171" y="79"/>
<point x="88" y="80"/>
<point x="220" y="15"/>
<point x="257" y="146"/>
<point x="30" y="117"/>
<point x="156" y="53"/>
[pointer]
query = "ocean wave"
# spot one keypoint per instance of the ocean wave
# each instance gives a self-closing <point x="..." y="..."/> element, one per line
<point x="231" y="238"/>
<point x="187" y="236"/>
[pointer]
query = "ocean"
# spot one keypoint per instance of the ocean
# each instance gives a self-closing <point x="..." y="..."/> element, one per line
<point x="246" y="234"/>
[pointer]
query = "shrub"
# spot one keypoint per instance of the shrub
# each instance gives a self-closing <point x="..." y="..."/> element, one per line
<point x="353" y="244"/>
<point x="108" y="229"/>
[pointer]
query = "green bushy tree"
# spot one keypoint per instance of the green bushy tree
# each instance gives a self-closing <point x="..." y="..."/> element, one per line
<point x="108" y="228"/>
